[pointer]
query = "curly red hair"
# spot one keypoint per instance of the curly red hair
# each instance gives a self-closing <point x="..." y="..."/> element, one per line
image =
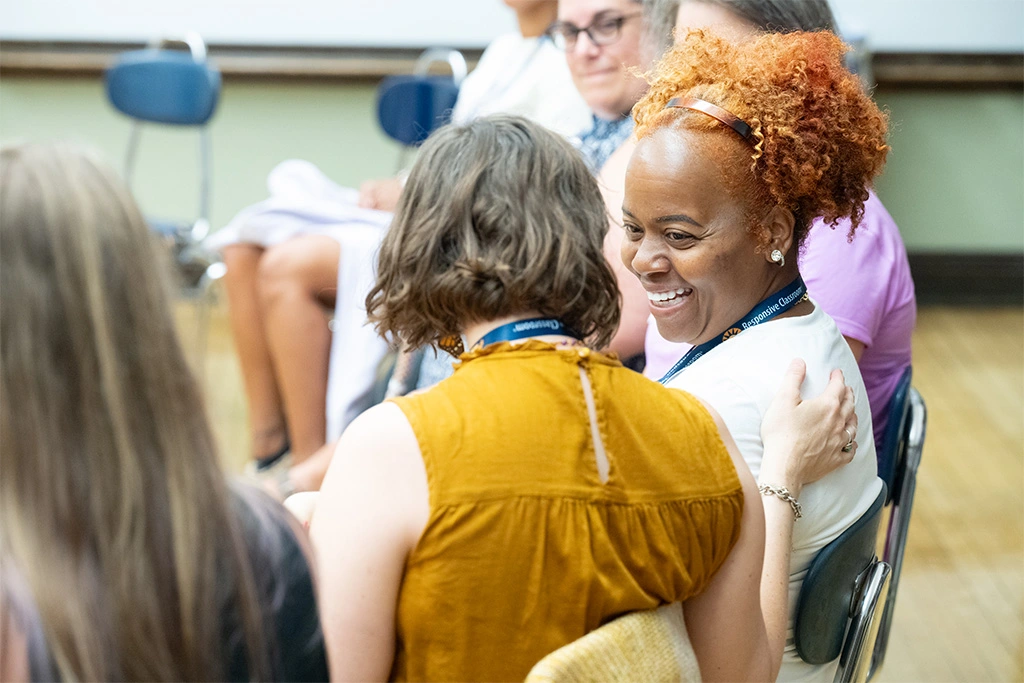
<point x="818" y="138"/>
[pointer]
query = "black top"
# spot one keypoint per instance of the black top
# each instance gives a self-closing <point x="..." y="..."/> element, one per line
<point x="285" y="584"/>
<point x="285" y="590"/>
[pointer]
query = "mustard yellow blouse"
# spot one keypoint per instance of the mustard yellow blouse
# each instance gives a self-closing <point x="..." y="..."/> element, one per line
<point x="527" y="548"/>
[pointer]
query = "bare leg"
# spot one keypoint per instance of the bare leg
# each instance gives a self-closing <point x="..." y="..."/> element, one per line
<point x="308" y="475"/>
<point x="266" y="415"/>
<point x="297" y="280"/>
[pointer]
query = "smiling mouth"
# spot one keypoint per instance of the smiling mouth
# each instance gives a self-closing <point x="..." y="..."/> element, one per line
<point x="668" y="298"/>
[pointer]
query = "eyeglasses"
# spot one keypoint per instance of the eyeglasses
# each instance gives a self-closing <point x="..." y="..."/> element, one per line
<point x="604" y="30"/>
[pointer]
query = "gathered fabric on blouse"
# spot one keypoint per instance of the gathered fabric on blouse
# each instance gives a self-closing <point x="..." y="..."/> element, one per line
<point x="530" y="544"/>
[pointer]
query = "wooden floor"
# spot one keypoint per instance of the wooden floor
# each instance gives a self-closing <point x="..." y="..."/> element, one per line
<point x="960" y="612"/>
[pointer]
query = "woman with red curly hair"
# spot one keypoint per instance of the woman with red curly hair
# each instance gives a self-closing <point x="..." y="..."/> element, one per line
<point x="544" y="489"/>
<point x="875" y="312"/>
<point x="740" y="147"/>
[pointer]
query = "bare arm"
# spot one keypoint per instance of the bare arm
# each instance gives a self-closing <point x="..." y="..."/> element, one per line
<point x="803" y="442"/>
<point x="857" y="346"/>
<point x="372" y="508"/>
<point x="14" y="612"/>
<point x="14" y="664"/>
<point x="725" y="623"/>
<point x="380" y="194"/>
<point x="629" y="338"/>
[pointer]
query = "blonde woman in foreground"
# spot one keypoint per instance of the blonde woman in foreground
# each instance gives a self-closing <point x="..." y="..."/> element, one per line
<point x="124" y="552"/>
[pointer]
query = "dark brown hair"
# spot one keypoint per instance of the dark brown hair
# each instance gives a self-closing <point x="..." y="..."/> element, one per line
<point x="819" y="138"/>
<point x="112" y="504"/>
<point x="499" y="217"/>
<point x="769" y="16"/>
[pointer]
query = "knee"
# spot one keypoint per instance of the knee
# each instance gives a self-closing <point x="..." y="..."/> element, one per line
<point x="305" y="267"/>
<point x="242" y="261"/>
<point x="278" y="274"/>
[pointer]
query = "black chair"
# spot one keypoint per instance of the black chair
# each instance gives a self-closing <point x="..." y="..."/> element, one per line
<point x="838" y="611"/>
<point x="908" y="460"/>
<point x="890" y="450"/>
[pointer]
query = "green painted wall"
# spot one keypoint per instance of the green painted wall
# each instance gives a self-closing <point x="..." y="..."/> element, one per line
<point x="954" y="182"/>
<point x="257" y="125"/>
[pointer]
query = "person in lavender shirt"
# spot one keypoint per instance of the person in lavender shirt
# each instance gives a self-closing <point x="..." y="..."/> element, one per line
<point x="864" y="284"/>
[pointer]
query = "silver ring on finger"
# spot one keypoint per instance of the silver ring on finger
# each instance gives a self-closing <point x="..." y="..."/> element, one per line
<point x="849" y="444"/>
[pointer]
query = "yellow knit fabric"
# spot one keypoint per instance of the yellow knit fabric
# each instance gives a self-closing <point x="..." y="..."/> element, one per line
<point x="651" y="646"/>
<point x="526" y="550"/>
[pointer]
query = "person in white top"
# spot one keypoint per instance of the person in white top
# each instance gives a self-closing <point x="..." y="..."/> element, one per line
<point x="311" y="245"/>
<point x="738" y="151"/>
<point x="525" y="75"/>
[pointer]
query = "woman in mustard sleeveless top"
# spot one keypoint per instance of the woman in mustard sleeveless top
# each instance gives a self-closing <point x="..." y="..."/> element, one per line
<point x="466" y="532"/>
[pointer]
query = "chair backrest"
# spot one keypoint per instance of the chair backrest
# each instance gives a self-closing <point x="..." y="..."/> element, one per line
<point x="174" y="87"/>
<point x="892" y="449"/>
<point x="164" y="86"/>
<point x="177" y="87"/>
<point x="410" y="108"/>
<point x="824" y="606"/>
<point x="899" y="519"/>
<point x="651" y="645"/>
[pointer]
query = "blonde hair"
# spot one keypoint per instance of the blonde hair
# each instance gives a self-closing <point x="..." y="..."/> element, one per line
<point x="113" y="506"/>
<point x="499" y="217"/>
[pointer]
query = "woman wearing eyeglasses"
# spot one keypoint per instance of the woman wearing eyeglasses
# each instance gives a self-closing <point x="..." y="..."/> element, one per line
<point x="602" y="43"/>
<point x="303" y="249"/>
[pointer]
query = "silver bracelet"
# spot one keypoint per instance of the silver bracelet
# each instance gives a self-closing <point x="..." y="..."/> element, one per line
<point x="783" y="493"/>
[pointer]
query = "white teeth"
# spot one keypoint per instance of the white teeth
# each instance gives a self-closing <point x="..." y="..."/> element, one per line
<point x="667" y="296"/>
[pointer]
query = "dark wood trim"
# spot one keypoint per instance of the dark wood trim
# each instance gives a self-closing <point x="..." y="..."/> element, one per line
<point x="33" y="58"/>
<point x="964" y="278"/>
<point x="931" y="70"/>
<point x="66" y="59"/>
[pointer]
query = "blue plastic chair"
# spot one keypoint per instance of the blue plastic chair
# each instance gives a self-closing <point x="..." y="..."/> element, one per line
<point x="177" y="88"/>
<point x="411" y="107"/>
<point x="838" y="613"/>
<point x="171" y="87"/>
<point x="908" y="450"/>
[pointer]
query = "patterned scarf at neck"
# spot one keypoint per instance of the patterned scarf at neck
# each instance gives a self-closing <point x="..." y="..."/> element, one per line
<point x="601" y="141"/>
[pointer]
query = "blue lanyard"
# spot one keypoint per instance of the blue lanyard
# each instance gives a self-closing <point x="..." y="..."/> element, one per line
<point x="774" y="305"/>
<point x="521" y="329"/>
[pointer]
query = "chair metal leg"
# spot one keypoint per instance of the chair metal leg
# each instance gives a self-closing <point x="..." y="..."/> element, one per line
<point x="403" y="159"/>
<point x="899" y="523"/>
<point x="202" y="317"/>
<point x="201" y="228"/>
<point x="204" y="301"/>
<point x="129" y="155"/>
<point x="855" y="660"/>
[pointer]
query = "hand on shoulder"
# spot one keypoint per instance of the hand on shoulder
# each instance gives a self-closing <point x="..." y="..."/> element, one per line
<point x="804" y="440"/>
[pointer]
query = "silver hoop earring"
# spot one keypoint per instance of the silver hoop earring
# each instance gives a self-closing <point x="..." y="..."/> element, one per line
<point x="777" y="257"/>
